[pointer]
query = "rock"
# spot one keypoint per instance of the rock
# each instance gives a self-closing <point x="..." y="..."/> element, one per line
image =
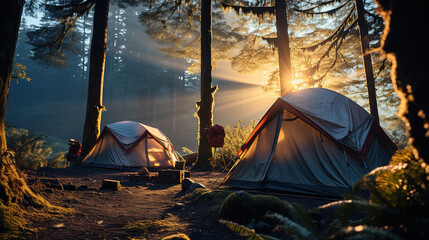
<point x="111" y="185"/>
<point x="143" y="172"/>
<point x="186" y="183"/>
<point x="195" y="186"/>
<point x="178" y="206"/>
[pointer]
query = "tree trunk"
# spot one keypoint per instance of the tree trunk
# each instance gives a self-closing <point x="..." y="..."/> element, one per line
<point x="405" y="43"/>
<point x="205" y="105"/>
<point x="10" y="19"/>
<point x="285" y="66"/>
<point x="94" y="105"/>
<point x="369" y="73"/>
<point x="14" y="192"/>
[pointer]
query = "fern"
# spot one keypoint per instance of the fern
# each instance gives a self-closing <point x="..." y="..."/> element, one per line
<point x="365" y="233"/>
<point x="292" y="228"/>
<point x="246" y="232"/>
<point x="301" y="216"/>
<point x="345" y="209"/>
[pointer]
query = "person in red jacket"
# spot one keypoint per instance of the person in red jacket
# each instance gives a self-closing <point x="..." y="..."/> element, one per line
<point x="74" y="151"/>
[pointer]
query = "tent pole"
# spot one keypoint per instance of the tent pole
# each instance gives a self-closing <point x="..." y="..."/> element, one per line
<point x="146" y="151"/>
<point x="273" y="149"/>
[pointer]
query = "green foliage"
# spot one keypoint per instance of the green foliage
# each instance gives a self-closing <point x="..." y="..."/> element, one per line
<point x="212" y="198"/>
<point x="242" y="207"/>
<point x="179" y="236"/>
<point x="150" y="225"/>
<point x="292" y="228"/>
<point x="20" y="72"/>
<point x="244" y="231"/>
<point x="397" y="208"/>
<point x="187" y="150"/>
<point x="402" y="186"/>
<point x="365" y="233"/>
<point x="235" y="136"/>
<point x="12" y="221"/>
<point x="30" y="151"/>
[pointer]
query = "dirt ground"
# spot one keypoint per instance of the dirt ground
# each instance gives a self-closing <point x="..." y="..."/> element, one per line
<point x="104" y="214"/>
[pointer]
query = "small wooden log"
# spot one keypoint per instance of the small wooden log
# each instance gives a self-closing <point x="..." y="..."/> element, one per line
<point x="171" y="176"/>
<point x="135" y="178"/>
<point x="111" y="185"/>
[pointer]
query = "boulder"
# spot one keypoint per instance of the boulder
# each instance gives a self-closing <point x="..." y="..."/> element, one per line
<point x="195" y="186"/>
<point x="186" y="183"/>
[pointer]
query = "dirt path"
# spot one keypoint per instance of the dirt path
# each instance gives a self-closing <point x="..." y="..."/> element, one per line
<point x="105" y="214"/>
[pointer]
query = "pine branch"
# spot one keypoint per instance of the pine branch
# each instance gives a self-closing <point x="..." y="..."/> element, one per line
<point x="336" y="33"/>
<point x="258" y="11"/>
<point x="272" y="41"/>
<point x="310" y="11"/>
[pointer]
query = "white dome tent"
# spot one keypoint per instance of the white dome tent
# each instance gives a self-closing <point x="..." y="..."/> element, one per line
<point x="129" y="144"/>
<point x="314" y="141"/>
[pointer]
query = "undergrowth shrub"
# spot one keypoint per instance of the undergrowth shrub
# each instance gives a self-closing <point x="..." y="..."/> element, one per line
<point x="242" y="207"/>
<point x="397" y="208"/>
<point x="401" y="189"/>
<point x="212" y="198"/>
<point x="30" y="150"/>
<point x="235" y="136"/>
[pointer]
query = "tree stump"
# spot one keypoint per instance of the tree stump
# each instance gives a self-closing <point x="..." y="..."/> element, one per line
<point x="111" y="185"/>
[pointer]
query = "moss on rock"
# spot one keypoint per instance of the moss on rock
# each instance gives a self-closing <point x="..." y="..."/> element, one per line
<point x="241" y="207"/>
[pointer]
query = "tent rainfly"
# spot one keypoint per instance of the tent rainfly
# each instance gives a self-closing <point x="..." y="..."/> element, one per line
<point x="130" y="144"/>
<point x="314" y="142"/>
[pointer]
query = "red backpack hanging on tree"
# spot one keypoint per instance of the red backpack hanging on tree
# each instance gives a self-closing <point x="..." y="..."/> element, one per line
<point x="216" y="136"/>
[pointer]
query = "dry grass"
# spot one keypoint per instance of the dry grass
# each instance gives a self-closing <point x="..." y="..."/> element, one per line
<point x="151" y="225"/>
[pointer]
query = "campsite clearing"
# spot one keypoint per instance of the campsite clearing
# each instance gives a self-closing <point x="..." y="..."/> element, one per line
<point x="146" y="210"/>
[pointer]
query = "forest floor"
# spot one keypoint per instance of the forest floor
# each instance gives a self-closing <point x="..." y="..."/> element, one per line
<point x="140" y="210"/>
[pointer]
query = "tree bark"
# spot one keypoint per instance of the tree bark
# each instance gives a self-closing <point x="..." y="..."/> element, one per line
<point x="10" y="20"/>
<point x="95" y="106"/>
<point x="285" y="66"/>
<point x="369" y="72"/>
<point x="14" y="192"/>
<point x="205" y="105"/>
<point x="405" y="43"/>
